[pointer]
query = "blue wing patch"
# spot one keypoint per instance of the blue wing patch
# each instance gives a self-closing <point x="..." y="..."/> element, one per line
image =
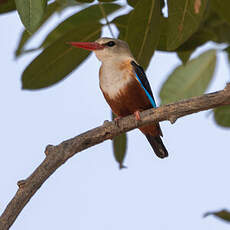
<point x="147" y="93"/>
<point x="141" y="77"/>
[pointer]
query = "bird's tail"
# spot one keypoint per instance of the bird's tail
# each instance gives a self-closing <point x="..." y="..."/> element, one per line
<point x="157" y="146"/>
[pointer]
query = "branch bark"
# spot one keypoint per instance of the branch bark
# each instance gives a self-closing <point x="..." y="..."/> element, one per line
<point x="58" y="155"/>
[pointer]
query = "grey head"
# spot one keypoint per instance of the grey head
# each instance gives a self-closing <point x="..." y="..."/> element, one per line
<point x="113" y="49"/>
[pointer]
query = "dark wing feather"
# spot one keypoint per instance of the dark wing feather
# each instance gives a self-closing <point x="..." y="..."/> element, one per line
<point x="141" y="76"/>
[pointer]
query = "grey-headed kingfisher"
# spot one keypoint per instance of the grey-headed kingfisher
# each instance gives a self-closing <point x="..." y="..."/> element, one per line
<point x="125" y="86"/>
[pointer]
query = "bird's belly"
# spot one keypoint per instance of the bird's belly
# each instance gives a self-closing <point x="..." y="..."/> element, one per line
<point x="128" y="99"/>
<point x="113" y="84"/>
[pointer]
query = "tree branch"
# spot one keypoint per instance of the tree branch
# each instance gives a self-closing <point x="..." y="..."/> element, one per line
<point x="58" y="155"/>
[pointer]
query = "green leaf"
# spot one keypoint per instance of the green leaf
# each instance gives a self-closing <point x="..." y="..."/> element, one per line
<point x="212" y="28"/>
<point x="59" y="59"/>
<point x="227" y="50"/>
<point x="7" y="6"/>
<point x="121" y="23"/>
<point x="106" y="0"/>
<point x="222" y="7"/>
<point x="214" y="23"/>
<point x="189" y="80"/>
<point x="66" y="3"/>
<point x="223" y="33"/>
<point x="206" y="32"/>
<point x="223" y="214"/>
<point x="89" y="15"/>
<point x="25" y="37"/>
<point x="132" y="3"/>
<point x="162" y="44"/>
<point x="86" y="1"/>
<point x="184" y="55"/>
<point x="143" y="31"/>
<point x="197" y="39"/>
<point x="222" y="116"/>
<point x="31" y="13"/>
<point x="183" y="21"/>
<point x="120" y="148"/>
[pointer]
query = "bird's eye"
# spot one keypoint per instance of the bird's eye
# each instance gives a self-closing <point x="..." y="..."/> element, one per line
<point x="111" y="43"/>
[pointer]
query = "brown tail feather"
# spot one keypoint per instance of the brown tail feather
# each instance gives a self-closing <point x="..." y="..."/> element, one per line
<point x="157" y="146"/>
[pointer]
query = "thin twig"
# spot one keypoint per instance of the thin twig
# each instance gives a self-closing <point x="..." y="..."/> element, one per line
<point x="58" y="155"/>
<point x="106" y="19"/>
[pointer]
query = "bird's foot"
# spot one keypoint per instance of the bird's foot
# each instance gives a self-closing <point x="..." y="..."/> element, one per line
<point x="116" y="121"/>
<point x="137" y="116"/>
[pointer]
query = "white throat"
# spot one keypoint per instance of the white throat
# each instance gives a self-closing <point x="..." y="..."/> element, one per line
<point x="113" y="78"/>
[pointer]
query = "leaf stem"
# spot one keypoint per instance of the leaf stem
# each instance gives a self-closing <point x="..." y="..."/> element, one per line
<point x="106" y="19"/>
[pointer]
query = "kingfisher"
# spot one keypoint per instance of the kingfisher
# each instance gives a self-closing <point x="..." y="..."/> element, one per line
<point x="125" y="86"/>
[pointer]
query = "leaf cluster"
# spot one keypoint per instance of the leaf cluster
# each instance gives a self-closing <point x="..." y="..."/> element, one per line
<point x="147" y="26"/>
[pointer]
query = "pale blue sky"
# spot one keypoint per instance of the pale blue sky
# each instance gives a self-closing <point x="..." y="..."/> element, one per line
<point x="89" y="192"/>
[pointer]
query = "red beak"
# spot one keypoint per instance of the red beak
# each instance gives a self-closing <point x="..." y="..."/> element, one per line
<point x="87" y="45"/>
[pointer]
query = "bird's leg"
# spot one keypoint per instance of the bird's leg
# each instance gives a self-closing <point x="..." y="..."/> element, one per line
<point x="116" y="120"/>
<point x="137" y="116"/>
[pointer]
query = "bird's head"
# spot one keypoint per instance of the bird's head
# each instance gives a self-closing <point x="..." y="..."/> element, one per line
<point x="106" y="48"/>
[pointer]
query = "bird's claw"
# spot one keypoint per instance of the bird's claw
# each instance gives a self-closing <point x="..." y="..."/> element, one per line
<point x="137" y="116"/>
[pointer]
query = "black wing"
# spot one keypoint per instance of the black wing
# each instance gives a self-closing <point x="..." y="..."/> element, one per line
<point x="141" y="77"/>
